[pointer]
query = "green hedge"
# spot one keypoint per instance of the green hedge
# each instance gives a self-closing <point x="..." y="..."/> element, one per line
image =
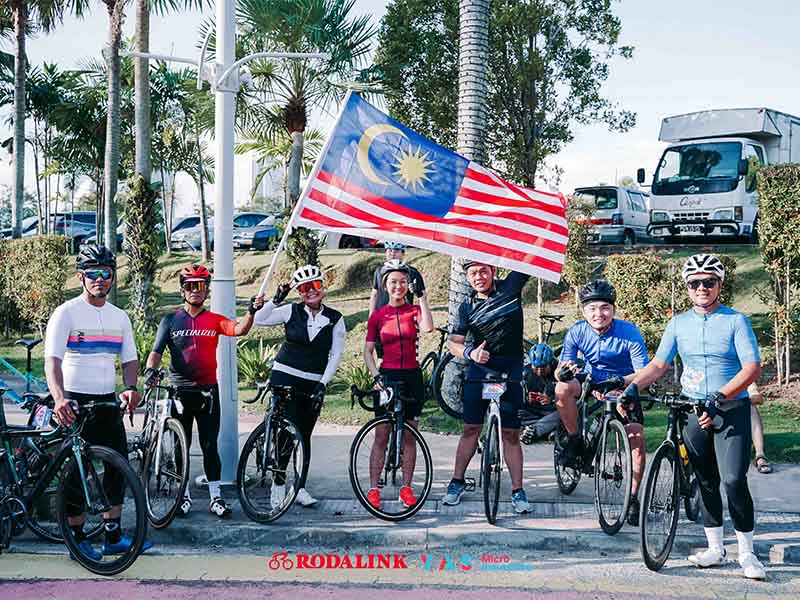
<point x="33" y="272"/>
<point x="645" y="284"/>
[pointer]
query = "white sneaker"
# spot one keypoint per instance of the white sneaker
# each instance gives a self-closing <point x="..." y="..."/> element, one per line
<point x="710" y="557"/>
<point x="304" y="498"/>
<point x="277" y="495"/>
<point x="751" y="566"/>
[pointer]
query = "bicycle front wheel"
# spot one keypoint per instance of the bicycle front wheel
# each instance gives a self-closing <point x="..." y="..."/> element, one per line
<point x="491" y="470"/>
<point x="270" y="471"/>
<point x="448" y="385"/>
<point x="658" y="520"/>
<point x="612" y="477"/>
<point x="164" y="489"/>
<point x="109" y="481"/>
<point x="428" y="365"/>
<point x="374" y="463"/>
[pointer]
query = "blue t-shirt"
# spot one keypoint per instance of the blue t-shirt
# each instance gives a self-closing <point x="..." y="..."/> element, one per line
<point x="618" y="352"/>
<point x="713" y="348"/>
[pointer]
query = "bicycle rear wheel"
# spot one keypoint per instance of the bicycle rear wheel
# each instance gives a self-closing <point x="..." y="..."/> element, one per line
<point x="428" y="365"/>
<point x="367" y="457"/>
<point x="612" y="477"/>
<point x="491" y="470"/>
<point x="102" y="467"/>
<point x="658" y="520"/>
<point x="270" y="471"/>
<point x="448" y="385"/>
<point x="164" y="492"/>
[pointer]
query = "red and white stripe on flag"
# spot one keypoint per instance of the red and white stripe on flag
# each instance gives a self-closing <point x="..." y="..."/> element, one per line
<point x="492" y="221"/>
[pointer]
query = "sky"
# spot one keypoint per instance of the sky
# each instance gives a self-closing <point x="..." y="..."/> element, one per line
<point x="689" y="55"/>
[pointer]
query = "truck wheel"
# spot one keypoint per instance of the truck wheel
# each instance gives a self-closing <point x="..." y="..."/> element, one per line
<point x="630" y="238"/>
<point x="754" y="235"/>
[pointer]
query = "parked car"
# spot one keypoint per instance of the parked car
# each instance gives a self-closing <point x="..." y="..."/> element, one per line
<point x="621" y="215"/>
<point x="29" y="227"/>
<point x="92" y="239"/>
<point x="259" y="237"/>
<point x="189" y="237"/>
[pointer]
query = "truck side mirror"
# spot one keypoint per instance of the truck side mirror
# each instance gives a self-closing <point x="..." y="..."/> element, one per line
<point x="640" y="175"/>
<point x="744" y="166"/>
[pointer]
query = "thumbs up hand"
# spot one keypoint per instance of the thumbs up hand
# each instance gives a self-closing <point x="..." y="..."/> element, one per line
<point x="479" y="354"/>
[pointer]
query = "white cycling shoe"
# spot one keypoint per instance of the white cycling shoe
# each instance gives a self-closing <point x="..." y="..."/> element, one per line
<point x="751" y="566"/>
<point x="304" y="498"/>
<point x="710" y="557"/>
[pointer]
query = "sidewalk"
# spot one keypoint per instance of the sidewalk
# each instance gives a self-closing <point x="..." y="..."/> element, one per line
<point x="557" y="523"/>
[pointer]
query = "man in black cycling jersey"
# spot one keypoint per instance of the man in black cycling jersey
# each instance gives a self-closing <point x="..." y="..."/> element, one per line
<point x="487" y="331"/>
<point x="720" y="359"/>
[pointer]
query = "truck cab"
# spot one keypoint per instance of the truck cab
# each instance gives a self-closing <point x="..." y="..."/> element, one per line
<point x="705" y="182"/>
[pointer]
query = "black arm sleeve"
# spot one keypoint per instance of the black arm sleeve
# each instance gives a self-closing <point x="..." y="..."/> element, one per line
<point x="514" y="282"/>
<point x="461" y="321"/>
<point x="162" y="335"/>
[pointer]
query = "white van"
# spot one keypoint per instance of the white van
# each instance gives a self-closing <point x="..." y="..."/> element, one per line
<point x="621" y="215"/>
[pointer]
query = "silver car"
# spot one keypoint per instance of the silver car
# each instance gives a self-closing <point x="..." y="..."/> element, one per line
<point x="189" y="238"/>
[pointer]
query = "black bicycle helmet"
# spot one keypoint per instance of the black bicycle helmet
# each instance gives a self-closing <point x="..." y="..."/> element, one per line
<point x="598" y="290"/>
<point x="95" y="255"/>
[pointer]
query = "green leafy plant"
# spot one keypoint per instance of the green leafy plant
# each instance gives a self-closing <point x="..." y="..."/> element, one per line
<point x="356" y="374"/>
<point x="255" y="362"/>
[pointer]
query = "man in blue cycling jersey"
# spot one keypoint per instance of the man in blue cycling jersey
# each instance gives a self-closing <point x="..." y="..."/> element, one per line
<point x="720" y="359"/>
<point x="613" y="348"/>
<point x="487" y="331"/>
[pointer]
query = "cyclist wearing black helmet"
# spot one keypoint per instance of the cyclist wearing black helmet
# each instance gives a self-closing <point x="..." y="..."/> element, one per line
<point x="84" y="338"/>
<point x="487" y="329"/>
<point x="612" y="348"/>
<point x="540" y="384"/>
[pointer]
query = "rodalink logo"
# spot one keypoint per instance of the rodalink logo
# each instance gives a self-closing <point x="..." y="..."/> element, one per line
<point x="281" y="560"/>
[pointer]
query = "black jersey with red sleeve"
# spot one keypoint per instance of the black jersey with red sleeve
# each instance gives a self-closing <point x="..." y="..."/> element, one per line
<point x="192" y="343"/>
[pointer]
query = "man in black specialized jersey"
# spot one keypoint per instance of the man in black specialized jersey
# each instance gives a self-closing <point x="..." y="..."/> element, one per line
<point x="487" y="331"/>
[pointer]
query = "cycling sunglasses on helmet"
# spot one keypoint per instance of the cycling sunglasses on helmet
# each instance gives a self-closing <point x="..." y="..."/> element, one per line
<point x="95" y="274"/>
<point x="195" y="286"/>
<point x="306" y="287"/>
<point x="709" y="283"/>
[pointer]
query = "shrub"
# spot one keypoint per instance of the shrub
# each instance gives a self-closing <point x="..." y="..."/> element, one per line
<point x="255" y="363"/>
<point x="356" y="374"/>
<point x="33" y="272"/>
<point x="141" y="244"/>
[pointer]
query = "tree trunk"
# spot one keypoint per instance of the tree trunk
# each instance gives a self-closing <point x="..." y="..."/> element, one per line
<point x="142" y="91"/>
<point x="540" y="309"/>
<point x="788" y="340"/>
<point x="42" y="225"/>
<point x="167" y="230"/>
<point x="111" y="167"/>
<point x="204" y="245"/>
<point x="295" y="167"/>
<point x="473" y="86"/>
<point x="20" y="14"/>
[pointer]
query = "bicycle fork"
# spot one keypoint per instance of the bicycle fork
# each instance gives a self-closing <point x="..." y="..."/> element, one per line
<point x="76" y="450"/>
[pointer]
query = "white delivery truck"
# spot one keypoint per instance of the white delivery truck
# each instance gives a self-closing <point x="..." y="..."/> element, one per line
<point x="705" y="183"/>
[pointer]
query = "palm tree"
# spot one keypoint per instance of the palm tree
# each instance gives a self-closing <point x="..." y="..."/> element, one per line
<point x="296" y="86"/>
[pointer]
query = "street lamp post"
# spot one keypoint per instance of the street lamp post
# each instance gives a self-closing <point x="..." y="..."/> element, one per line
<point x="223" y="292"/>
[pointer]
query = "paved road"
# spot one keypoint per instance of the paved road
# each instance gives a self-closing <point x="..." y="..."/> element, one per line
<point x="224" y="576"/>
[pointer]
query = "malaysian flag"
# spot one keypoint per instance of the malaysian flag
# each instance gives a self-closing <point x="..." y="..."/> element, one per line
<point x="377" y="178"/>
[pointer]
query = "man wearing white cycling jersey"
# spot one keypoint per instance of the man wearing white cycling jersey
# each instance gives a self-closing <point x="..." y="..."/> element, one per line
<point x="720" y="359"/>
<point x="84" y="337"/>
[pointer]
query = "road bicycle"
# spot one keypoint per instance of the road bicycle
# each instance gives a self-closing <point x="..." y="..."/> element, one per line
<point x="392" y="467"/>
<point x="431" y="361"/>
<point x="82" y="472"/>
<point x="160" y="453"/>
<point x="670" y="477"/>
<point x="605" y="455"/>
<point x="271" y="466"/>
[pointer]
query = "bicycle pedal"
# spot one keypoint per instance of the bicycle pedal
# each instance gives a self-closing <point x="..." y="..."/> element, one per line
<point x="469" y="484"/>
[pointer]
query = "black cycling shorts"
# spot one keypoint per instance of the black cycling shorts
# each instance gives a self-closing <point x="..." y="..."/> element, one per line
<point x="413" y="388"/>
<point x="475" y="405"/>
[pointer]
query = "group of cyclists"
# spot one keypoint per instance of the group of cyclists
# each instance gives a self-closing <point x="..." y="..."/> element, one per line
<point x="715" y="343"/>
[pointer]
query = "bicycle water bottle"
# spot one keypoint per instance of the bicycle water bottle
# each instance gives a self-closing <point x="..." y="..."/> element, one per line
<point x="594" y="427"/>
<point x="684" y="454"/>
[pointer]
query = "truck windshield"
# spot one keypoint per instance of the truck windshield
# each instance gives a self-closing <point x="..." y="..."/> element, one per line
<point x="698" y="168"/>
<point x="601" y="199"/>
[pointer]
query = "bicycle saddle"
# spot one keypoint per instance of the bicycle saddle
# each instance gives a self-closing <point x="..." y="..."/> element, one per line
<point x="28" y="343"/>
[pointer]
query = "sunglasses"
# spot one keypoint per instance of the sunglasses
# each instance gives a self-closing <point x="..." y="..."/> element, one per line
<point x="95" y="274"/>
<point x="708" y="284"/>
<point x="306" y="287"/>
<point x="194" y="286"/>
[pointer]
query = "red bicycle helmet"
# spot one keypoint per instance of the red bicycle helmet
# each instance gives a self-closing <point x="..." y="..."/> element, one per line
<point x="195" y="273"/>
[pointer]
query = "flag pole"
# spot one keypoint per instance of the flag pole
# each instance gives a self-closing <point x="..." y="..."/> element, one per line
<point x="296" y="209"/>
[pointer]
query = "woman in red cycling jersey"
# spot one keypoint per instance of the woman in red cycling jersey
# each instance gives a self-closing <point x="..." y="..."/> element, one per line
<point x="397" y="326"/>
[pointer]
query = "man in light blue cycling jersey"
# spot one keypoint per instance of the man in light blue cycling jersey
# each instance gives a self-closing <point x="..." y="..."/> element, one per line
<point x="613" y="348"/>
<point x="720" y="359"/>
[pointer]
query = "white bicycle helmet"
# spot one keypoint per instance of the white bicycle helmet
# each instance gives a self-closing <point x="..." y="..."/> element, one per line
<point x="305" y="274"/>
<point x="703" y="264"/>
<point x="392" y="266"/>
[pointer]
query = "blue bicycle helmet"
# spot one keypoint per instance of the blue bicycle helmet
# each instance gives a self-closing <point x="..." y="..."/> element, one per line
<point x="541" y="355"/>
<point x="394" y="246"/>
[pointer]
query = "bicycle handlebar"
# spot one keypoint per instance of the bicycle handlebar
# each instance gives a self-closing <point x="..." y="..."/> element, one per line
<point x="493" y="376"/>
<point x="678" y="401"/>
<point x="358" y="394"/>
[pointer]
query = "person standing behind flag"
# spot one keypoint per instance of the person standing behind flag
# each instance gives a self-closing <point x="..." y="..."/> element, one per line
<point x="487" y="331"/>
